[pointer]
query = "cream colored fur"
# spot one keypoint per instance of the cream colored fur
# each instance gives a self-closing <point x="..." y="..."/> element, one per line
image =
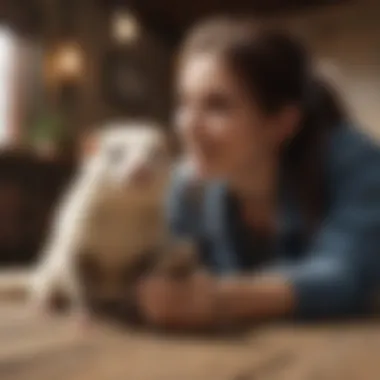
<point x="106" y="216"/>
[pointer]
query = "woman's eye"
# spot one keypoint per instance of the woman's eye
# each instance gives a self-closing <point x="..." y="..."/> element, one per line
<point x="218" y="103"/>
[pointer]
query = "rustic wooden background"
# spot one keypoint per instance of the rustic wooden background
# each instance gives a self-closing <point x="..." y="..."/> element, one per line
<point x="29" y="189"/>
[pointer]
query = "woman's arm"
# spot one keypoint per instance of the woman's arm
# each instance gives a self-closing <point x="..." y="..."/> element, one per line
<point x="341" y="270"/>
<point x="252" y="298"/>
<point x="337" y="277"/>
<point x="208" y="302"/>
<point x="237" y="298"/>
<point x="319" y="288"/>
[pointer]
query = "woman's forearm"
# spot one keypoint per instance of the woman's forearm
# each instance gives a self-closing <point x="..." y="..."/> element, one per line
<point x="246" y="299"/>
<point x="206" y="301"/>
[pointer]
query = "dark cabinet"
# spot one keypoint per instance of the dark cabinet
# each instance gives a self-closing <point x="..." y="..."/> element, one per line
<point x="29" y="190"/>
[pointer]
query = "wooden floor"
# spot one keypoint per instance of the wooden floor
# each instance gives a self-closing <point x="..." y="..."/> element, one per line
<point x="33" y="348"/>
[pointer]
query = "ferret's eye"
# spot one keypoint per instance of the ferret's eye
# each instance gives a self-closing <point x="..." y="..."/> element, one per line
<point x="89" y="270"/>
<point x="115" y="154"/>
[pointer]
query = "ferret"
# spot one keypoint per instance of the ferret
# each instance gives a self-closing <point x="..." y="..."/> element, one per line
<point x="109" y="228"/>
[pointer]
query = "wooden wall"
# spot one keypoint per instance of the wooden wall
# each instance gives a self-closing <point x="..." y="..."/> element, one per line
<point x="346" y="41"/>
<point x="91" y="29"/>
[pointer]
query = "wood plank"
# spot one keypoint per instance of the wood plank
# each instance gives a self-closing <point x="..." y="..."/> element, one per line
<point x="36" y="348"/>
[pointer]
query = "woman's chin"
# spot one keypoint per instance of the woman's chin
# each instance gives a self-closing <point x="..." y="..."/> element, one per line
<point x="202" y="171"/>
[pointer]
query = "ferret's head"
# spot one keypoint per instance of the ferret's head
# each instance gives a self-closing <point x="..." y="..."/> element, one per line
<point x="134" y="155"/>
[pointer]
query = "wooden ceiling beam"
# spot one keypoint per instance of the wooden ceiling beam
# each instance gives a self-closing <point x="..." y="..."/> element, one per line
<point x="172" y="17"/>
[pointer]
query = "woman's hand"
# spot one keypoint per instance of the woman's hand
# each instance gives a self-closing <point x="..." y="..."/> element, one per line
<point x="202" y="301"/>
<point x="183" y="303"/>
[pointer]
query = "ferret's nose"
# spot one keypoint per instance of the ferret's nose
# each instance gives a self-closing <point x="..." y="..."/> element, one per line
<point x="142" y="175"/>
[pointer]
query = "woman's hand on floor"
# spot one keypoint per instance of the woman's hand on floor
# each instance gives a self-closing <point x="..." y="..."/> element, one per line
<point x="202" y="301"/>
<point x="179" y="303"/>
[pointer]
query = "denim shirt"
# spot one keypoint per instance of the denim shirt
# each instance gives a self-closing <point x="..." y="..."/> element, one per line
<point x="333" y="273"/>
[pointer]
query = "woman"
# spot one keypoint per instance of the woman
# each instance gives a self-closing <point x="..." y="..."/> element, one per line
<point x="288" y="219"/>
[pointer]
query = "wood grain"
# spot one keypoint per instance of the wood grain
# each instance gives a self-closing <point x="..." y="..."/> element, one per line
<point x="45" y="348"/>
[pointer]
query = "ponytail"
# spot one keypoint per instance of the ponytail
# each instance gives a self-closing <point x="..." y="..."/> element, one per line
<point x="305" y="156"/>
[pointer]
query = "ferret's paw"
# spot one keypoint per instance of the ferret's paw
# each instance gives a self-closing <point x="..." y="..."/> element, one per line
<point x="82" y="320"/>
<point x="179" y="260"/>
<point x="45" y="296"/>
<point x="40" y="303"/>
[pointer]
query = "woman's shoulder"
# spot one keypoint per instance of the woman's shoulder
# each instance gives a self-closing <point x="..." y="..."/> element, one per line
<point x="350" y="141"/>
<point x="351" y="147"/>
<point x="353" y="160"/>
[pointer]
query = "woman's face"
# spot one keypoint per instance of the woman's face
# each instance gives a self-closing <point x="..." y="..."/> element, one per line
<point x="223" y="132"/>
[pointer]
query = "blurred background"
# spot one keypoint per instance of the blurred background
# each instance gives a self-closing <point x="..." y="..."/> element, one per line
<point x="69" y="65"/>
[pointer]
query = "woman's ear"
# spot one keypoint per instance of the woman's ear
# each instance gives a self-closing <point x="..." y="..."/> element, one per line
<point x="288" y="122"/>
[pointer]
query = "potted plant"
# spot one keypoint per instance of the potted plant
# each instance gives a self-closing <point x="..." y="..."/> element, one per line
<point x="47" y="134"/>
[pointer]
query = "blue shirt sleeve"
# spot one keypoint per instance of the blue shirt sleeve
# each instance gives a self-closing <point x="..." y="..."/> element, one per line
<point x="342" y="267"/>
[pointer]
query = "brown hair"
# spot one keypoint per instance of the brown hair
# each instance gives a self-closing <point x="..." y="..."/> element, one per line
<point x="276" y="70"/>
